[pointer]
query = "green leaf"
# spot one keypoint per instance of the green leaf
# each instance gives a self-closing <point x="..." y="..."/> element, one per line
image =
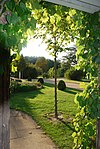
<point x="10" y="5"/>
<point x="13" y="18"/>
<point x="13" y="68"/>
<point x="1" y="27"/>
<point x="74" y="134"/>
<point x="12" y="41"/>
<point x="52" y="19"/>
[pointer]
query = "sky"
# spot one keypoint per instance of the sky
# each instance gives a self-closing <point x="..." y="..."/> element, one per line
<point x="38" y="49"/>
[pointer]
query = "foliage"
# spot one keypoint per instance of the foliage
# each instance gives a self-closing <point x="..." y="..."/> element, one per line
<point x="21" y="63"/>
<point x="45" y="75"/>
<point x="41" y="63"/>
<point x="16" y="23"/>
<point x="33" y="60"/>
<point x="30" y="71"/>
<point x="54" y="27"/>
<point x="16" y="86"/>
<point x="70" y="57"/>
<point x="74" y="74"/>
<point x="29" y="79"/>
<point x="50" y="63"/>
<point x="51" y="72"/>
<point x="13" y="86"/>
<point x="88" y="55"/>
<point x="84" y="122"/>
<point x="61" y="85"/>
<point x="30" y="59"/>
<point x="88" y="50"/>
<point x="41" y="80"/>
<point x="60" y="72"/>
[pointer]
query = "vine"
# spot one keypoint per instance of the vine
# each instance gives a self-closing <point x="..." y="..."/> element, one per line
<point x="87" y="27"/>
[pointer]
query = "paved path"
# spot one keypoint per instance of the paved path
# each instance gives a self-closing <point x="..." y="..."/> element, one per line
<point x="26" y="134"/>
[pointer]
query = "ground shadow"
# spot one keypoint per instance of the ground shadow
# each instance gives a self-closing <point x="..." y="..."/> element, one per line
<point x="66" y="124"/>
<point x="49" y="84"/>
<point x="72" y="90"/>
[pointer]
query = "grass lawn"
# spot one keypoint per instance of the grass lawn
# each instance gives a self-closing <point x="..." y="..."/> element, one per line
<point x="40" y="105"/>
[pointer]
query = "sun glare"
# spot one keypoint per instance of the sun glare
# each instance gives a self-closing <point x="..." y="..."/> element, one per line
<point x="36" y="48"/>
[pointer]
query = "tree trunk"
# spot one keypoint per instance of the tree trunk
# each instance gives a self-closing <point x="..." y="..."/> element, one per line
<point x="4" y="100"/>
<point x="98" y="120"/>
<point x="19" y="74"/>
<point x="55" y="70"/>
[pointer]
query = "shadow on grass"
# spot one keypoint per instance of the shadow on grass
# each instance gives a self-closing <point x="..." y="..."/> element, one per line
<point x="66" y="124"/>
<point x="72" y="90"/>
<point x="48" y="84"/>
<point x="22" y="101"/>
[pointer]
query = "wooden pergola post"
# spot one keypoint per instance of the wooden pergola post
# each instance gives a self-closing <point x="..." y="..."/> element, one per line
<point x="4" y="99"/>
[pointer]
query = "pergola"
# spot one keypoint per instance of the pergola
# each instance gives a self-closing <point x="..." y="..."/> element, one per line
<point x="89" y="6"/>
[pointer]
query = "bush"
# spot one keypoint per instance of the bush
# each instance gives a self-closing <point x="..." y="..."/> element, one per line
<point x="18" y="80"/>
<point x="60" y="72"/>
<point x="26" y="88"/>
<point x="61" y="85"/>
<point x="74" y="74"/>
<point x="41" y="80"/>
<point x="30" y="71"/>
<point x="45" y="75"/>
<point x="29" y="79"/>
<point x="21" y="87"/>
<point x="51" y="73"/>
<point x="13" y="86"/>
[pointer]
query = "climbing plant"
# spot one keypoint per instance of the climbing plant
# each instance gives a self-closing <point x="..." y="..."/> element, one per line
<point x="16" y="23"/>
<point x="88" y="39"/>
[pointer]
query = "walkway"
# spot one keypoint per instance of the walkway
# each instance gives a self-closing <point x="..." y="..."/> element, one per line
<point x="26" y="134"/>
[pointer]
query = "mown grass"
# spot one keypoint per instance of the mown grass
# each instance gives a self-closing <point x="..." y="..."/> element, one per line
<point x="40" y="105"/>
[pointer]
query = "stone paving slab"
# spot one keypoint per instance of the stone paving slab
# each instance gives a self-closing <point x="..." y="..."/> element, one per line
<point x="26" y="134"/>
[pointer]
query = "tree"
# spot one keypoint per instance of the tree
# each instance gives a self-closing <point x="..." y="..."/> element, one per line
<point x="51" y="72"/>
<point x="50" y="63"/>
<point x="53" y="28"/>
<point x="41" y="63"/>
<point x="31" y="59"/>
<point x="21" y="65"/>
<point x="70" y="56"/>
<point x="30" y="72"/>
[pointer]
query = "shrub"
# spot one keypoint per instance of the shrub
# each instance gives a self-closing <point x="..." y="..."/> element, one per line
<point x="61" y="85"/>
<point x="29" y="79"/>
<point x="51" y="72"/>
<point x="26" y="88"/>
<point x="45" y="75"/>
<point x="13" y="86"/>
<point x="60" y="72"/>
<point x="21" y="87"/>
<point x="41" y="80"/>
<point x="74" y="74"/>
<point x="30" y="71"/>
<point x="18" y="80"/>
